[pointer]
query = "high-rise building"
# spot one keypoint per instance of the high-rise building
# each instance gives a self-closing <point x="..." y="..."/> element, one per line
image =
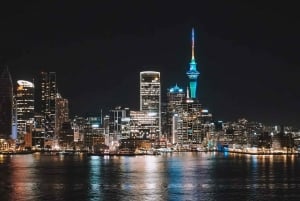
<point x="38" y="132"/>
<point x="175" y="96"/>
<point x="47" y="95"/>
<point x="150" y="99"/>
<point x="24" y="105"/>
<point x="142" y="125"/>
<point x="14" y="134"/>
<point x="119" y="123"/>
<point x="189" y="125"/>
<point x="193" y="73"/>
<point x="62" y="112"/>
<point x="6" y="104"/>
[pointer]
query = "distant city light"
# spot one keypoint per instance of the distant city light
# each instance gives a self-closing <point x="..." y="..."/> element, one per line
<point x="95" y="125"/>
<point x="152" y="114"/>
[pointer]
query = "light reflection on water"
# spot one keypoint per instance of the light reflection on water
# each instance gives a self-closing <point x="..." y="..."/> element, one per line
<point x="176" y="176"/>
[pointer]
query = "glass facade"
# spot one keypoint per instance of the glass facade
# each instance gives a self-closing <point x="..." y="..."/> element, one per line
<point x="24" y="105"/>
<point x="6" y="104"/>
<point x="48" y="96"/>
<point x="150" y="99"/>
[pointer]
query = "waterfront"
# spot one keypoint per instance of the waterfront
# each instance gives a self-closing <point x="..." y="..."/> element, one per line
<point x="170" y="176"/>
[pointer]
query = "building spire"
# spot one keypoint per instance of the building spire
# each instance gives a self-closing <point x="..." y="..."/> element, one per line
<point x="193" y="44"/>
<point x="193" y="73"/>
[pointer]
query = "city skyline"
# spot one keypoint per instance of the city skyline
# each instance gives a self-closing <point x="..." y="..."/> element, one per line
<point x="246" y="70"/>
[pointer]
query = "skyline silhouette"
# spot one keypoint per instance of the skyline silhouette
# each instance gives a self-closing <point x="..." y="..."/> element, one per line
<point x="246" y="53"/>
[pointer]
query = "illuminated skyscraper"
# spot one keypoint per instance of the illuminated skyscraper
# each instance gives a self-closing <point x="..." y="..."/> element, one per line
<point x="175" y="96"/>
<point x="47" y="97"/>
<point x="118" y="121"/>
<point x="6" y="104"/>
<point x="62" y="112"/>
<point x="193" y="73"/>
<point x="150" y="100"/>
<point x="24" y="104"/>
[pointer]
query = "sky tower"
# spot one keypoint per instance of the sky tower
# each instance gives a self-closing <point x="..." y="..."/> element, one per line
<point x="193" y="73"/>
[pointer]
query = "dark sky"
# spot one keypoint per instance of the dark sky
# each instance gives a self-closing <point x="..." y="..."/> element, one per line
<point x="247" y="53"/>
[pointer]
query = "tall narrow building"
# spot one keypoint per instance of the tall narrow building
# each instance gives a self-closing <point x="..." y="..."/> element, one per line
<point x="193" y="73"/>
<point x="150" y="100"/>
<point x="47" y="96"/>
<point x="62" y="113"/>
<point x="24" y="105"/>
<point x="175" y="96"/>
<point x="6" y="104"/>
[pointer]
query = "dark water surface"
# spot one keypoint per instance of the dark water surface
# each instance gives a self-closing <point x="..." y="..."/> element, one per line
<point x="176" y="176"/>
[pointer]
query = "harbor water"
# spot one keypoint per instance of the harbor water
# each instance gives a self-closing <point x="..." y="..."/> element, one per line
<point x="169" y="176"/>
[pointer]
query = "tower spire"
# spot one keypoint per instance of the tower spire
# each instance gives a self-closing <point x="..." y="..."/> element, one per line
<point x="193" y="44"/>
<point x="193" y="73"/>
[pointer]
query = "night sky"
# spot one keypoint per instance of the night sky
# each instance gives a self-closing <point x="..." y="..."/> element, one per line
<point x="247" y="53"/>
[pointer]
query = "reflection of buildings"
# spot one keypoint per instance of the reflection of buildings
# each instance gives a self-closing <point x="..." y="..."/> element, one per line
<point x="24" y="105"/>
<point x="150" y="100"/>
<point x="6" y="104"/>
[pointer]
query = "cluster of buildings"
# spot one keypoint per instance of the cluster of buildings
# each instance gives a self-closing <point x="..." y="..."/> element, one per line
<point x="33" y="115"/>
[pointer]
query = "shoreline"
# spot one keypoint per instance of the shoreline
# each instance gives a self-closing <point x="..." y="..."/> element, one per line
<point x="55" y="152"/>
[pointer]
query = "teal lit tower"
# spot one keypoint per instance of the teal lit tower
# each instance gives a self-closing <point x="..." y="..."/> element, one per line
<point x="193" y="73"/>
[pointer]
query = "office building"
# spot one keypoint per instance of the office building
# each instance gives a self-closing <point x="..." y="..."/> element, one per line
<point x="38" y="132"/>
<point x="24" y="105"/>
<point x="6" y="104"/>
<point x="175" y="96"/>
<point x="143" y="125"/>
<point x="119" y="123"/>
<point x="150" y="99"/>
<point x="62" y="113"/>
<point x="47" y="96"/>
<point x="189" y="125"/>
